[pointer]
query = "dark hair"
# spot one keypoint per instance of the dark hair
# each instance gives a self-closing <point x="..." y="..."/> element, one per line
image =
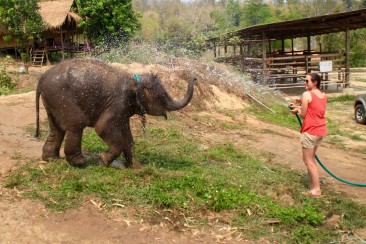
<point x="315" y="78"/>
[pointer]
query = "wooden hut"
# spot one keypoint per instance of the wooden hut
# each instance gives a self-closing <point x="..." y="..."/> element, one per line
<point x="61" y="32"/>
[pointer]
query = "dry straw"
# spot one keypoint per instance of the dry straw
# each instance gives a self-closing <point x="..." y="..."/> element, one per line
<point x="56" y="13"/>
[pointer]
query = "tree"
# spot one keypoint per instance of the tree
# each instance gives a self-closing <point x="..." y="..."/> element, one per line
<point x="22" y="22"/>
<point x="228" y="18"/>
<point x="233" y="11"/>
<point x="256" y="12"/>
<point x="150" y="26"/>
<point x="108" y="22"/>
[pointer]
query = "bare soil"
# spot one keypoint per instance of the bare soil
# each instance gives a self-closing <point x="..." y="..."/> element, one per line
<point x="27" y="221"/>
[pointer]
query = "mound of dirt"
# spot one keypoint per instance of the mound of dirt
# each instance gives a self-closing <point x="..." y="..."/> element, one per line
<point x="209" y="92"/>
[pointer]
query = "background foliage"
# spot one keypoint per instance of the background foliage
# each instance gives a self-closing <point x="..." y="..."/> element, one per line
<point x="177" y="24"/>
<point x="182" y="27"/>
<point x="108" y="21"/>
<point x="21" y="22"/>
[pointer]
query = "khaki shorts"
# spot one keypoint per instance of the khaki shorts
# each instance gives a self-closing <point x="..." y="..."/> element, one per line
<point x="310" y="141"/>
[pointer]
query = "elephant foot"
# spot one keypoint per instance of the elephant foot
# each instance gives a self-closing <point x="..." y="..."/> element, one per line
<point x="50" y="157"/>
<point x="134" y="165"/>
<point x="105" y="159"/>
<point x="78" y="160"/>
<point x="115" y="164"/>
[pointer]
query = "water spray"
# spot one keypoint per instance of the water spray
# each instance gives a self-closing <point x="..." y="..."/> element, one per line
<point x="252" y="97"/>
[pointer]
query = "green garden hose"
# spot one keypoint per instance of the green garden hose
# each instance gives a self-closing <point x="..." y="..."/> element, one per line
<point x="326" y="169"/>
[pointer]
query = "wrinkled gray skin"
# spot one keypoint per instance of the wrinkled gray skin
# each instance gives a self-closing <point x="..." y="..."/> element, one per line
<point x="85" y="92"/>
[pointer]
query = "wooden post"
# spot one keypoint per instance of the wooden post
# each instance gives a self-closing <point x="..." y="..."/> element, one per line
<point x="46" y="53"/>
<point x="269" y="46"/>
<point x="215" y="54"/>
<point x="62" y="45"/>
<point x="264" y="57"/>
<point x="348" y="48"/>
<point x="308" y="54"/>
<point x="307" y="64"/>
<point x="283" y="45"/>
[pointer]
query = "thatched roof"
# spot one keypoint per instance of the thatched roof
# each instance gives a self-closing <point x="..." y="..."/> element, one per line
<point x="56" y="13"/>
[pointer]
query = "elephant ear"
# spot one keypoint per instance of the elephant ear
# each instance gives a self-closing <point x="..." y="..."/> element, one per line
<point x="144" y="90"/>
<point x="141" y="97"/>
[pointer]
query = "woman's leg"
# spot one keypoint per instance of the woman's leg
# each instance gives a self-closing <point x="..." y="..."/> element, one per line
<point x="310" y="161"/>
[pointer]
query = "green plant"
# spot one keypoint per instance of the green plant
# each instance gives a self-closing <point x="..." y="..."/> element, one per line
<point x="6" y="84"/>
<point x="108" y="23"/>
<point x="304" y="234"/>
<point x="22" y="23"/>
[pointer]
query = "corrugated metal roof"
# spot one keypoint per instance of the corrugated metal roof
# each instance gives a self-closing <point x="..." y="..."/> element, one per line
<point x="311" y="26"/>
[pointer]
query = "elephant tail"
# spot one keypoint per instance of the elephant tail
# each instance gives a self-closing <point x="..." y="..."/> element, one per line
<point x="38" y="94"/>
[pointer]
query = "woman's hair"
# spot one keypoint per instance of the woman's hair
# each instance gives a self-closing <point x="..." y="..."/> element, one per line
<point x="315" y="78"/>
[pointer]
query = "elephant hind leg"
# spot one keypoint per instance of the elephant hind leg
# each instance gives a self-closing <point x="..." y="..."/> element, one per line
<point x="51" y="148"/>
<point x="73" y="148"/>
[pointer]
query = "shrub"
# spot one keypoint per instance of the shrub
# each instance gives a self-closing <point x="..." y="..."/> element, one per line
<point x="6" y="85"/>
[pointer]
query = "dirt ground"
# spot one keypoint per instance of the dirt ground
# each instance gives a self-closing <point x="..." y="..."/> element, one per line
<point x="26" y="221"/>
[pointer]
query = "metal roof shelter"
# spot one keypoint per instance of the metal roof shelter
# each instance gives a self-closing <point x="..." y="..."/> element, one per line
<point x="318" y="25"/>
<point x="307" y="27"/>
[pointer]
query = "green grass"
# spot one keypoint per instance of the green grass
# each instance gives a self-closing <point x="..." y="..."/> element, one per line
<point x="343" y="98"/>
<point x="193" y="183"/>
<point x="360" y="79"/>
<point x="282" y="115"/>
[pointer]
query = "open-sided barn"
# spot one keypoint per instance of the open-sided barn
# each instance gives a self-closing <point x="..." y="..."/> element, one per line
<point x="251" y="49"/>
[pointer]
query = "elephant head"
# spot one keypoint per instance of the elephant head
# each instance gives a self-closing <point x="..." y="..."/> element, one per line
<point x="155" y="100"/>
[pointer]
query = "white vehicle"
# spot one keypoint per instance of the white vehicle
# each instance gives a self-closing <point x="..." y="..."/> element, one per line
<point x="360" y="108"/>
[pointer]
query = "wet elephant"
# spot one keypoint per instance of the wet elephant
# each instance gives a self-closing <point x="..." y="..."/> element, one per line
<point x="90" y="93"/>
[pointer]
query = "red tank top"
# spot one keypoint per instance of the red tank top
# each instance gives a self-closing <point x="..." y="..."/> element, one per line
<point x="314" y="122"/>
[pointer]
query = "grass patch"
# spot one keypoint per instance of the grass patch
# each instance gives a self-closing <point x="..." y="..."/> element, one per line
<point x="360" y="79"/>
<point x="282" y="115"/>
<point x="343" y="98"/>
<point x="192" y="184"/>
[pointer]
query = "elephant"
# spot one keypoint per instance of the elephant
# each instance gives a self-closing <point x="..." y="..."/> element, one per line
<point x="86" y="92"/>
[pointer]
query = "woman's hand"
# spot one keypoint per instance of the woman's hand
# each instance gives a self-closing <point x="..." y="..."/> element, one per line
<point x="295" y="111"/>
<point x="295" y="108"/>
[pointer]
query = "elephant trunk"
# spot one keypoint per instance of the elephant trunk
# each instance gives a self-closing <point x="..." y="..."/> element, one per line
<point x="176" y="105"/>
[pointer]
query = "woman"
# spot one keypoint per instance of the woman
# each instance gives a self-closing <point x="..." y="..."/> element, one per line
<point x="312" y="110"/>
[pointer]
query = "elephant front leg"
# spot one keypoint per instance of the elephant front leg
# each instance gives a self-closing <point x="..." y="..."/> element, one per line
<point x="73" y="148"/>
<point x="51" y="148"/>
<point x="118" y="139"/>
<point x="108" y="157"/>
<point x="130" y="161"/>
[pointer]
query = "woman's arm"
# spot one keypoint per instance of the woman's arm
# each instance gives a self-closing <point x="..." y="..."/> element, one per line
<point x="301" y="110"/>
<point x="305" y="100"/>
